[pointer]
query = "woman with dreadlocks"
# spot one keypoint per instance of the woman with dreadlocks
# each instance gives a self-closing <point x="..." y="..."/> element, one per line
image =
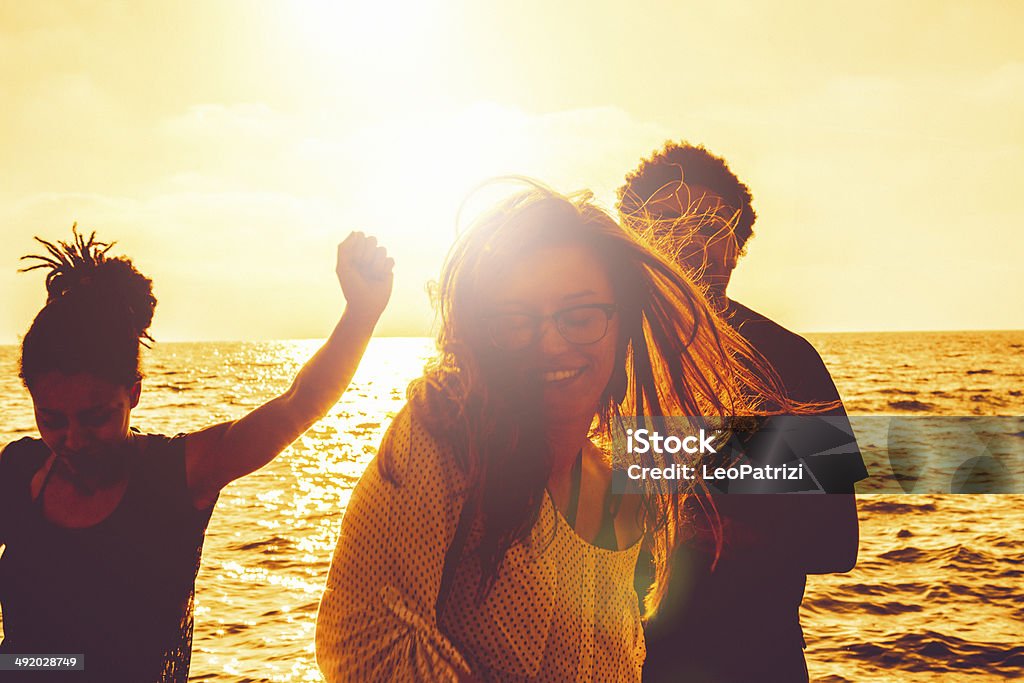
<point x="103" y="525"/>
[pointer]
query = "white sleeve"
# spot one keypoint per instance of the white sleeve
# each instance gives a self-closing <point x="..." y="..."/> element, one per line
<point x="377" y="618"/>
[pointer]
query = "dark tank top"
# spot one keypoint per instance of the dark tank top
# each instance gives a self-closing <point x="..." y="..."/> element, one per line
<point x="120" y="592"/>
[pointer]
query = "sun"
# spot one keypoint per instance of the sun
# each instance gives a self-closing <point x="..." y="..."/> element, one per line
<point x="382" y="37"/>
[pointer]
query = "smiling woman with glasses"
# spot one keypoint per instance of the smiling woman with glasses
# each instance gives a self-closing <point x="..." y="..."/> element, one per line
<point x="484" y="541"/>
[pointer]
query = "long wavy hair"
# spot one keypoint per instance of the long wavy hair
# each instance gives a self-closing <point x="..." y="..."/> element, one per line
<point x="674" y="356"/>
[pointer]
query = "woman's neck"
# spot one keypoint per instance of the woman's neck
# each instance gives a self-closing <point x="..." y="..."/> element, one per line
<point x="564" y="441"/>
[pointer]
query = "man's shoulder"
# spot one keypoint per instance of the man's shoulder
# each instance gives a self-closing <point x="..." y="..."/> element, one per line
<point x="797" y="362"/>
<point x="762" y="331"/>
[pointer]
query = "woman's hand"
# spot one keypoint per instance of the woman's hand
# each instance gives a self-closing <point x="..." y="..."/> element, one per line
<point x="365" y="273"/>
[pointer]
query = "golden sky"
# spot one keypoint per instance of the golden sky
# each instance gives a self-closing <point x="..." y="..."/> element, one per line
<point x="227" y="146"/>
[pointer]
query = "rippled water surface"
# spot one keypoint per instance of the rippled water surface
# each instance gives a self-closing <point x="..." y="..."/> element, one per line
<point x="938" y="593"/>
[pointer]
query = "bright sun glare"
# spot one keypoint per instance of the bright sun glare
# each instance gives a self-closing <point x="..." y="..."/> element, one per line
<point x="382" y="36"/>
<point x="423" y="155"/>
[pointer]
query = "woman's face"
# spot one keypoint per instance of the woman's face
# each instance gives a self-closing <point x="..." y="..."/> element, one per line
<point x="82" y="418"/>
<point x="550" y="315"/>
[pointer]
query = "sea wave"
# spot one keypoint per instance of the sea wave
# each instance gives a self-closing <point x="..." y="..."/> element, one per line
<point x="937" y="652"/>
<point x="925" y="560"/>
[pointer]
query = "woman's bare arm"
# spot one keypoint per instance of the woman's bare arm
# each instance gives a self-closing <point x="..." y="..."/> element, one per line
<point x="217" y="455"/>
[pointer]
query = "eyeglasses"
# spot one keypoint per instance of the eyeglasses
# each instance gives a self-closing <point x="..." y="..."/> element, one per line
<point x="580" y="325"/>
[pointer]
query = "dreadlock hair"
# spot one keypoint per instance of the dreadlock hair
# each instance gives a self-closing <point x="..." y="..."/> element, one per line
<point x="97" y="313"/>
<point x="681" y="163"/>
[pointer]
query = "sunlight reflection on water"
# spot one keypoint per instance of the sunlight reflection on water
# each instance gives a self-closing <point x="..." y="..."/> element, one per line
<point x="937" y="591"/>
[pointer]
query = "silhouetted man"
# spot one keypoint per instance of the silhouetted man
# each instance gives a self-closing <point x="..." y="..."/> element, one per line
<point x="738" y="619"/>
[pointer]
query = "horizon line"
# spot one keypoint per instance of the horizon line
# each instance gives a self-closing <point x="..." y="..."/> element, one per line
<point x="17" y="342"/>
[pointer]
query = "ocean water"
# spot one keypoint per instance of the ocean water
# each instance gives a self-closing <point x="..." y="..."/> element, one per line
<point x="938" y="592"/>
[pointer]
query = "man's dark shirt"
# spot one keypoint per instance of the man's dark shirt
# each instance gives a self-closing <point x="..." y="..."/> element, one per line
<point x="740" y="622"/>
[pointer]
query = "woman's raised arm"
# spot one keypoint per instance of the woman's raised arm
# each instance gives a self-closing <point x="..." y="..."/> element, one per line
<point x="217" y="455"/>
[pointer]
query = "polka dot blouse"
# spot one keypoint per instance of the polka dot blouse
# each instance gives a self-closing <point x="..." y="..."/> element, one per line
<point x="561" y="609"/>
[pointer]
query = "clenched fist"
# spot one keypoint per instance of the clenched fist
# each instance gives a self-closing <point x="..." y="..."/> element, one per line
<point x="365" y="274"/>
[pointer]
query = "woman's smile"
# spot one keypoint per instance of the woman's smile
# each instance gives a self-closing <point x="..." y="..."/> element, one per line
<point x="558" y="376"/>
